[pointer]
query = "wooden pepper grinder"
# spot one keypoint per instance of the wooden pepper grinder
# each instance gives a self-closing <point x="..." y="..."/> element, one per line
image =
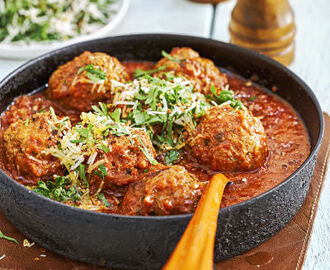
<point x="266" y="26"/>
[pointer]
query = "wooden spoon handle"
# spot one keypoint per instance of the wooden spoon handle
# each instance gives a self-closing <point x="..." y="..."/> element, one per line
<point x="195" y="249"/>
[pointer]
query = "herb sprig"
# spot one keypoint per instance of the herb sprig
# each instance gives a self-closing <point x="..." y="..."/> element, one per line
<point x="95" y="74"/>
<point x="170" y="57"/>
<point x="2" y="236"/>
<point x="104" y="200"/>
<point x="141" y="72"/>
<point x="59" y="190"/>
<point x="225" y="96"/>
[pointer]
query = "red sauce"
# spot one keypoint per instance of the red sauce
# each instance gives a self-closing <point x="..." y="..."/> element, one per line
<point x="287" y="138"/>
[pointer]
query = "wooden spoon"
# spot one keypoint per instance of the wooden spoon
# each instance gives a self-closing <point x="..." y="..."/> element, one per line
<point x="195" y="249"/>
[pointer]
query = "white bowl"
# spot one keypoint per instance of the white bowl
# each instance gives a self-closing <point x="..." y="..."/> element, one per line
<point x="12" y="51"/>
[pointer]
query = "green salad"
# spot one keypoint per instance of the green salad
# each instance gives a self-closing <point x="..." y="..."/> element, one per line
<point x="26" y="21"/>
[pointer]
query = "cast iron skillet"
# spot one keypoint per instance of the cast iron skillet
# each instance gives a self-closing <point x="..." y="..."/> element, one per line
<point x="147" y="242"/>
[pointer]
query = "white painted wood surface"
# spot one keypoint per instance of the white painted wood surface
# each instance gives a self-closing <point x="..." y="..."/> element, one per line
<point x="167" y="16"/>
<point x="312" y="63"/>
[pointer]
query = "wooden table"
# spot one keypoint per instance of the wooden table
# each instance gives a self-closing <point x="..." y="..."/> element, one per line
<point x="312" y="64"/>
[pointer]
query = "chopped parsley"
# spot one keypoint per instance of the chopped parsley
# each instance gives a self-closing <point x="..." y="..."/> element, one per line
<point x="169" y="103"/>
<point x="141" y="72"/>
<point x="170" y="57"/>
<point x="101" y="172"/>
<point x="52" y="112"/>
<point x="103" y="147"/>
<point x="2" y="236"/>
<point x="252" y="98"/>
<point x="171" y="157"/>
<point x="103" y="110"/>
<point x="82" y="174"/>
<point x="104" y="200"/>
<point x="146" y="152"/>
<point x="225" y="96"/>
<point x="95" y="74"/>
<point x="115" y="115"/>
<point x="60" y="190"/>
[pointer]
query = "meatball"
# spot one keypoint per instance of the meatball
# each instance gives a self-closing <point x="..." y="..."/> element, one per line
<point x="169" y="191"/>
<point x="24" y="107"/>
<point x="86" y="80"/>
<point x="200" y="71"/>
<point x="25" y="142"/>
<point x="229" y="140"/>
<point x="126" y="160"/>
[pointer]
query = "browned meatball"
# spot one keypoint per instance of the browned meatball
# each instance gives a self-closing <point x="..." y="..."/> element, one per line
<point x="169" y="191"/>
<point x="24" y="107"/>
<point x="229" y="140"/>
<point x="24" y="143"/>
<point x="201" y="71"/>
<point x="86" y="80"/>
<point x="125" y="162"/>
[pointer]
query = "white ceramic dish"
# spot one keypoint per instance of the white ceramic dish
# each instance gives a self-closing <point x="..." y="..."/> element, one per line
<point x="29" y="51"/>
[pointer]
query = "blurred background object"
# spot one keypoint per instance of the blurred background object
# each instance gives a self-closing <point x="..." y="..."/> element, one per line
<point x="209" y="1"/>
<point x="266" y="26"/>
<point x="29" y="28"/>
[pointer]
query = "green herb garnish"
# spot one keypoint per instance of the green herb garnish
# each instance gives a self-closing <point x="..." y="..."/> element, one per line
<point x="116" y="115"/>
<point x="104" y="200"/>
<point x="224" y="96"/>
<point x="2" y="236"/>
<point x="52" y="112"/>
<point x="58" y="190"/>
<point x="104" y="148"/>
<point x="146" y="152"/>
<point x="171" y="157"/>
<point x="83" y="132"/>
<point x="119" y="130"/>
<point x="141" y="72"/>
<point x="101" y="172"/>
<point x="253" y="98"/>
<point x="94" y="74"/>
<point x="171" y="104"/>
<point x="82" y="174"/>
<point x="103" y="110"/>
<point x="168" y="56"/>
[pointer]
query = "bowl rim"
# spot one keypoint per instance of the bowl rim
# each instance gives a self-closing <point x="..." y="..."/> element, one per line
<point x="236" y="48"/>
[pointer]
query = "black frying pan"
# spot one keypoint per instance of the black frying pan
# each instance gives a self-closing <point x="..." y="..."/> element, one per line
<point x="147" y="242"/>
